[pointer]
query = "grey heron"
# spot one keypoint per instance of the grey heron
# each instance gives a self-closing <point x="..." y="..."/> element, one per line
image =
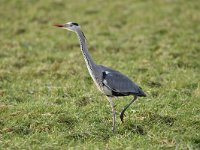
<point x="110" y="82"/>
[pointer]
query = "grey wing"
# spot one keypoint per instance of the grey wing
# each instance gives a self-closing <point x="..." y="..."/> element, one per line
<point x="119" y="84"/>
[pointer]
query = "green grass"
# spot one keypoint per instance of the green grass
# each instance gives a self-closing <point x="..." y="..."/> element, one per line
<point x="48" y="100"/>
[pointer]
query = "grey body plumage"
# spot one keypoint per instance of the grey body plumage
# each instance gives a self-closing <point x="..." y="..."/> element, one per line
<point x="109" y="81"/>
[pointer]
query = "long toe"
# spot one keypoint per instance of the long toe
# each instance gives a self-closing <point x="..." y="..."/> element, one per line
<point x="122" y="117"/>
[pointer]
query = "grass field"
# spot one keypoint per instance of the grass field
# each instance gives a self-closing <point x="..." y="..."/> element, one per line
<point x="48" y="100"/>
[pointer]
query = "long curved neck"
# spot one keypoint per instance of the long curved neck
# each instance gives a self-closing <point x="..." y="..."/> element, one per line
<point x="88" y="59"/>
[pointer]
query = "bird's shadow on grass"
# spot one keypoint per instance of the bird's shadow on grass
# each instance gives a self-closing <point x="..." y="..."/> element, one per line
<point x="147" y="123"/>
<point x="160" y="119"/>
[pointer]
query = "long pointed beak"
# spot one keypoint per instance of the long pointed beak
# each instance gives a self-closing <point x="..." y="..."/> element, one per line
<point x="58" y="25"/>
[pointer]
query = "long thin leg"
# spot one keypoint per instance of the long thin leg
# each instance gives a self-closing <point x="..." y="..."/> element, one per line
<point x="113" y="111"/>
<point x="125" y="108"/>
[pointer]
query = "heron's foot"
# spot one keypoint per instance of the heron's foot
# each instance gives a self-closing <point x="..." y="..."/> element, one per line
<point x="122" y="116"/>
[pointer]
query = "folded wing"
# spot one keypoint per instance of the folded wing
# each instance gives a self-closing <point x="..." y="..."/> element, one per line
<point x="119" y="84"/>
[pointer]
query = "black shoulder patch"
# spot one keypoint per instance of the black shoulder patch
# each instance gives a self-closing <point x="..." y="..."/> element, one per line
<point x="104" y="75"/>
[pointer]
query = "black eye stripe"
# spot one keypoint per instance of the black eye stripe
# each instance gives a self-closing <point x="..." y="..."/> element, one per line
<point x="76" y="24"/>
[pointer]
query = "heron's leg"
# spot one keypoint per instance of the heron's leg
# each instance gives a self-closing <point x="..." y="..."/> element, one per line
<point x="125" y="108"/>
<point x="113" y="111"/>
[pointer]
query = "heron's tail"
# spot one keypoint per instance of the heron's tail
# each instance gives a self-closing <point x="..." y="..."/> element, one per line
<point x="141" y="93"/>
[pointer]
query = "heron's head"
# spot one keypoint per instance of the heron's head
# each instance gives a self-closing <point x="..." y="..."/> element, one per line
<point x="71" y="26"/>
